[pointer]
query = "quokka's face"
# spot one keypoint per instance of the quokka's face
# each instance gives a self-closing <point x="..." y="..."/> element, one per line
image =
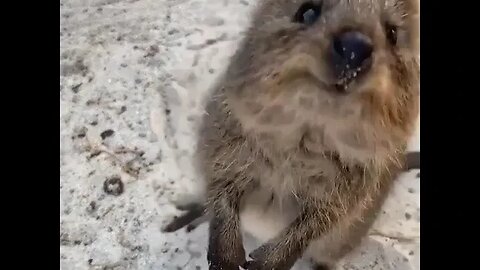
<point x="345" y="68"/>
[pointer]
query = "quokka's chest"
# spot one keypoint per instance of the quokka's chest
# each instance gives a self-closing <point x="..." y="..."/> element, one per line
<point x="294" y="177"/>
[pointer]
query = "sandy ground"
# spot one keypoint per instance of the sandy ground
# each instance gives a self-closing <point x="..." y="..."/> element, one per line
<point x="133" y="74"/>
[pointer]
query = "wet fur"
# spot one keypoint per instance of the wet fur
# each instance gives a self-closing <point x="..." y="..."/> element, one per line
<point x="276" y="132"/>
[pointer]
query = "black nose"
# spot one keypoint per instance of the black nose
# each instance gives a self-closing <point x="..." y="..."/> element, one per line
<point x="350" y="51"/>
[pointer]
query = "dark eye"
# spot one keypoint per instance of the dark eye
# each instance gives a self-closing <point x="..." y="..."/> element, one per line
<point x="308" y="13"/>
<point x="391" y="32"/>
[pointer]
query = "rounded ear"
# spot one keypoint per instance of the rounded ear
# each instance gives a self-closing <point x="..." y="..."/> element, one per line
<point x="412" y="8"/>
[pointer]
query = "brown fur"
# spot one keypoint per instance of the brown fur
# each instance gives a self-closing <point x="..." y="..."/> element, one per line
<point x="277" y="125"/>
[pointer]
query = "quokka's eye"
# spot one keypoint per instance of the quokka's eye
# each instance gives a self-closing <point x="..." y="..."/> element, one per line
<point x="308" y="13"/>
<point x="391" y="33"/>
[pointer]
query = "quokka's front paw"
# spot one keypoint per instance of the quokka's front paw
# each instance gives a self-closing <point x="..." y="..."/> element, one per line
<point x="268" y="257"/>
<point x="193" y="212"/>
<point x="225" y="260"/>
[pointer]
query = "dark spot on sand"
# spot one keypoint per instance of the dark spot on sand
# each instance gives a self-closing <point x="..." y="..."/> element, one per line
<point x="76" y="88"/>
<point x="122" y="110"/>
<point x="91" y="207"/>
<point x="113" y="186"/>
<point x="152" y="51"/>
<point x="91" y="102"/>
<point x="94" y="154"/>
<point x="78" y="67"/>
<point x="107" y="133"/>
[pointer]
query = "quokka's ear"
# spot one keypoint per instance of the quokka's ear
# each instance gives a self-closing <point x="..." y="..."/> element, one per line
<point x="412" y="10"/>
